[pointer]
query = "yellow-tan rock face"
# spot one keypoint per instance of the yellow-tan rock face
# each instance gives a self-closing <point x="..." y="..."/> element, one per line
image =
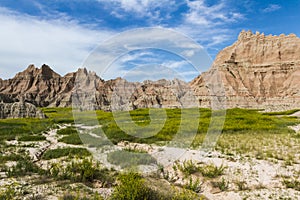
<point x="258" y="71"/>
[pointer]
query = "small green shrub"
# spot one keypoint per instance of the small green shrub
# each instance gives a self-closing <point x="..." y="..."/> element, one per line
<point x="297" y="135"/>
<point x="292" y="183"/>
<point x="78" y="196"/>
<point x="7" y="193"/>
<point x="23" y="167"/>
<point x="185" y="194"/>
<point x="212" y="171"/>
<point x="223" y="185"/>
<point x="188" y="167"/>
<point x="85" y="171"/>
<point x="132" y="187"/>
<point x="242" y="185"/>
<point x="194" y="185"/>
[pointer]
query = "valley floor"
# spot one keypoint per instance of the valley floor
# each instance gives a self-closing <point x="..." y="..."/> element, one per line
<point x="55" y="164"/>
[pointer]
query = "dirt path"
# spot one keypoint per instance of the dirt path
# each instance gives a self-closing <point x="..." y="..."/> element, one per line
<point x="51" y="143"/>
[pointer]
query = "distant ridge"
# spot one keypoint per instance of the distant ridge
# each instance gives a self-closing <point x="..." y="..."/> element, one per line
<point x="257" y="71"/>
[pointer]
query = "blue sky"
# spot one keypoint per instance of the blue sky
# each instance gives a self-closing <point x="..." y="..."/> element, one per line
<point x="62" y="33"/>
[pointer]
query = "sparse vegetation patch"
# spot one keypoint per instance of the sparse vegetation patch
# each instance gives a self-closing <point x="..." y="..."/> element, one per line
<point x="71" y="152"/>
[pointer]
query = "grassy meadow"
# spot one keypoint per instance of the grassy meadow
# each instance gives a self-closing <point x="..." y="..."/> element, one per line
<point x="245" y="133"/>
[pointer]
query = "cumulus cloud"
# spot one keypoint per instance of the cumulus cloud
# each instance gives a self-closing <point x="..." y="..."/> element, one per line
<point x="60" y="43"/>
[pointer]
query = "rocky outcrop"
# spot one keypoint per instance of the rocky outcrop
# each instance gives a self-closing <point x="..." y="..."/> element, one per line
<point x="19" y="110"/>
<point x="154" y="94"/>
<point x="261" y="50"/>
<point x="258" y="71"/>
<point x="41" y="87"/>
<point x="90" y="92"/>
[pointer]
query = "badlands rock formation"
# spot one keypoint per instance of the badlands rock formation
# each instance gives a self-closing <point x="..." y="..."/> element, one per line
<point x="41" y="87"/>
<point x="257" y="71"/>
<point x="90" y="92"/>
<point x="19" y="110"/>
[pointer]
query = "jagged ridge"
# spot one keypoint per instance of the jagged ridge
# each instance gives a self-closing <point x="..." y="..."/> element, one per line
<point x="257" y="71"/>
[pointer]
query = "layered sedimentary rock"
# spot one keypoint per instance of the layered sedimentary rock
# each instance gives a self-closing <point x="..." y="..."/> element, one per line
<point x="41" y="87"/>
<point x="19" y="110"/>
<point x="257" y="71"/>
<point x="90" y="92"/>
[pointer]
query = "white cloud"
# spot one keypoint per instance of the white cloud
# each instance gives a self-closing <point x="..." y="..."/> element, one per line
<point x="206" y="23"/>
<point x="208" y="37"/>
<point x="140" y="8"/>
<point x="271" y="8"/>
<point x="143" y="39"/>
<point x="188" y="53"/>
<point x="210" y="16"/>
<point x="61" y="43"/>
<point x="218" y="39"/>
<point x="176" y="64"/>
<point x="144" y="64"/>
<point x="64" y="44"/>
<point x="134" y="57"/>
<point x="210" y="24"/>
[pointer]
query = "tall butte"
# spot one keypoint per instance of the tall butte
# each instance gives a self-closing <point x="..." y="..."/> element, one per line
<point x="257" y="71"/>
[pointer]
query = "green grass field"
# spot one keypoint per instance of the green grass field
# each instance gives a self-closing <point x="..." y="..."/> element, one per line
<point x="247" y="133"/>
<point x="244" y="131"/>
